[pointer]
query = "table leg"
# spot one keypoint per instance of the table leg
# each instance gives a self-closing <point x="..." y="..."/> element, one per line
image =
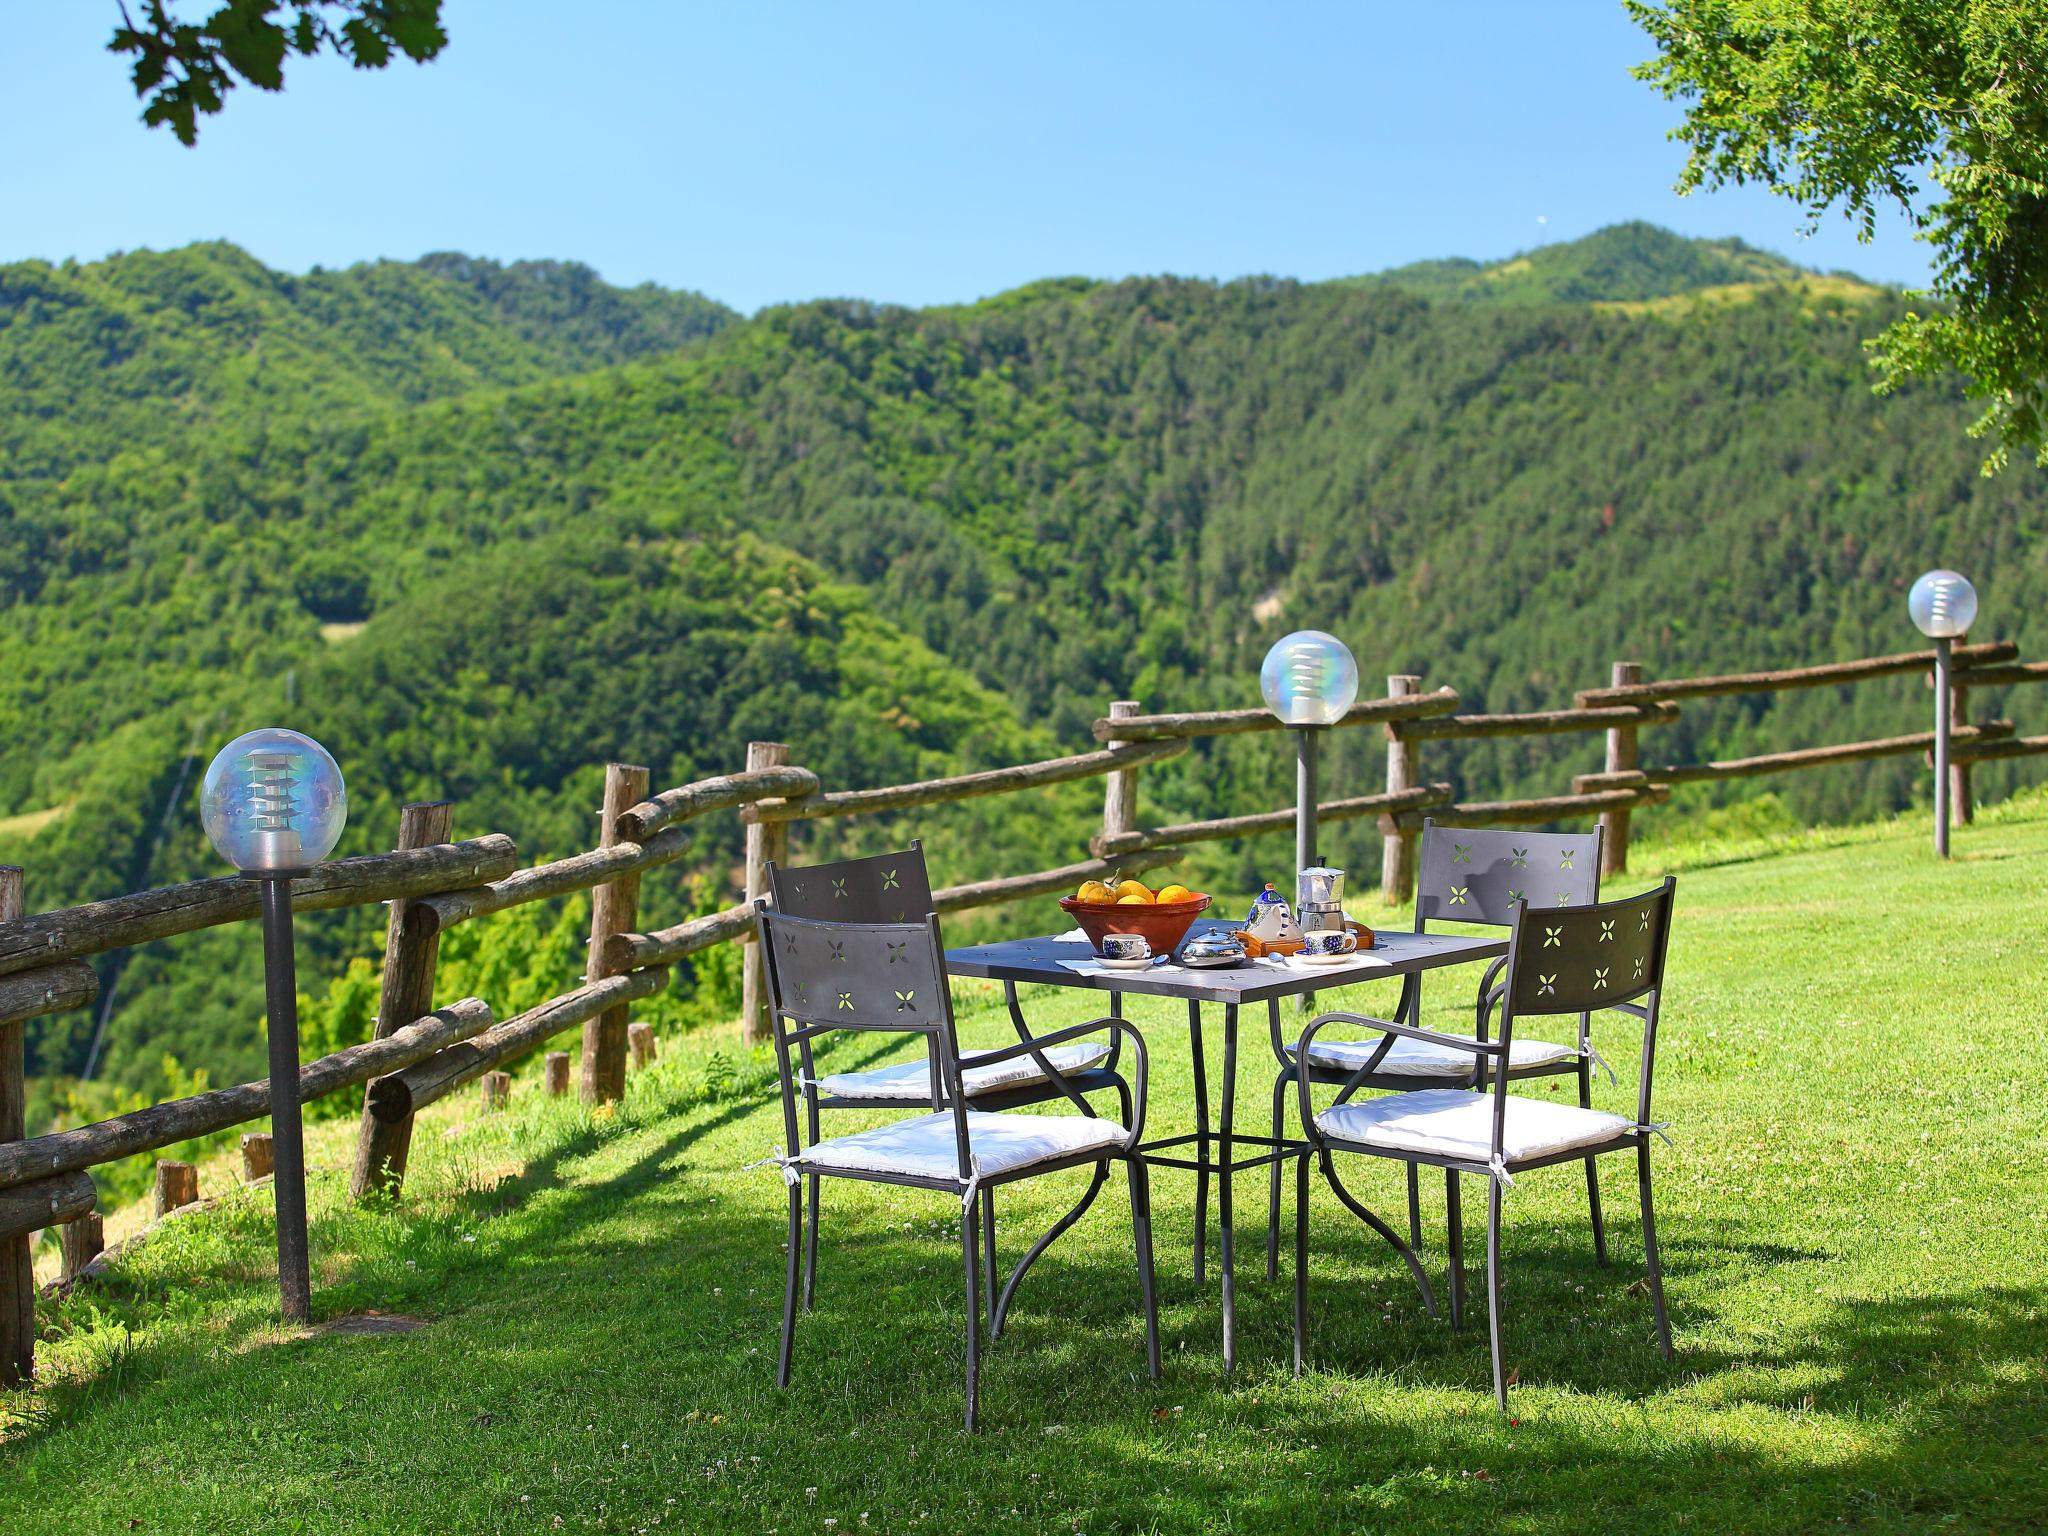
<point x="1201" y="1134"/>
<point x="1228" y="1118"/>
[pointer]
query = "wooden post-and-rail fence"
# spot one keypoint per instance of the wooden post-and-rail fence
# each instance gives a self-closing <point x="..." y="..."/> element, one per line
<point x="420" y="1053"/>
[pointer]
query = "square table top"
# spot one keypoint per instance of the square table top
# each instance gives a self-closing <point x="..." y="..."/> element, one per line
<point x="1395" y="954"/>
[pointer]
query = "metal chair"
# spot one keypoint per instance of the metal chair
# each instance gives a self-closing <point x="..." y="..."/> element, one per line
<point x="1558" y="962"/>
<point x="896" y="888"/>
<point x="891" y="977"/>
<point x="1467" y="875"/>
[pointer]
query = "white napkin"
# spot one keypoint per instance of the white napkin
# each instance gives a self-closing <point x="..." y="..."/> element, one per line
<point x="1097" y="968"/>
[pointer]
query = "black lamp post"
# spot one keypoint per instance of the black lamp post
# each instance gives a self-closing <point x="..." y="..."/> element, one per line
<point x="274" y="804"/>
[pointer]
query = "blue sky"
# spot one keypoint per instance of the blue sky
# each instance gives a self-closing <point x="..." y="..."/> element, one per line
<point x="912" y="153"/>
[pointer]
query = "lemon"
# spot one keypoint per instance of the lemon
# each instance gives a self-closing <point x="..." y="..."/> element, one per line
<point x="1134" y="901"/>
<point x="1094" y="890"/>
<point x="1174" y="893"/>
<point x="1132" y="890"/>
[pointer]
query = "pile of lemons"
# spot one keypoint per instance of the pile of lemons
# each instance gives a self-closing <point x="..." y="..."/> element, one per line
<point x="1130" y="893"/>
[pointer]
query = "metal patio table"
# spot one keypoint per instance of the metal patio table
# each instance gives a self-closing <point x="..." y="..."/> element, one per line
<point x="1217" y="1151"/>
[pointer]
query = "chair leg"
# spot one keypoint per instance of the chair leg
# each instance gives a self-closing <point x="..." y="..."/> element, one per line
<point x="1500" y="1380"/>
<point x="970" y="1247"/>
<point x="1141" y="1233"/>
<point x="1273" y="1189"/>
<point x="789" y="1292"/>
<point x="988" y="1249"/>
<point x="1300" y="1262"/>
<point x="1650" y="1250"/>
<point x="811" y="1247"/>
<point x="1592" y="1168"/>
<point x="1414" y="1207"/>
<point x="1455" y="1232"/>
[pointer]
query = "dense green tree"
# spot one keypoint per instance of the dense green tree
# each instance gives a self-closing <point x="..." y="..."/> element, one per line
<point x="1854" y="104"/>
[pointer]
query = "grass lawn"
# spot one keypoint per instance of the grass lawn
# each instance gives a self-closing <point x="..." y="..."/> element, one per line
<point x="1853" y="1227"/>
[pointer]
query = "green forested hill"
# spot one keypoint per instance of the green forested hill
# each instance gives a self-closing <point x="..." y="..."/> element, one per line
<point x="483" y="527"/>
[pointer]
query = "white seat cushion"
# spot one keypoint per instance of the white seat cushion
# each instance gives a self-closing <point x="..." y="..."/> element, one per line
<point x="910" y="1082"/>
<point x="923" y="1147"/>
<point x="1410" y="1057"/>
<point x="1450" y="1122"/>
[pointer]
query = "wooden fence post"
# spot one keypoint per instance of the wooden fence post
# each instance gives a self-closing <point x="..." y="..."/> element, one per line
<point x="496" y="1090"/>
<point x="1962" y="808"/>
<point x="1120" y="791"/>
<point x="614" y="908"/>
<point x="765" y="840"/>
<point x="407" y="993"/>
<point x="17" y="1264"/>
<point x="257" y="1161"/>
<point x="640" y="1038"/>
<point x="555" y="1073"/>
<point x="1621" y="758"/>
<point x="1397" y="843"/>
<point x="177" y="1185"/>
<point x="83" y="1239"/>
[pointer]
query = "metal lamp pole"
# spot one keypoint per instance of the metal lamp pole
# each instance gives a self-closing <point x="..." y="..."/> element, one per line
<point x="1944" y="700"/>
<point x="1305" y="747"/>
<point x="287" y="1135"/>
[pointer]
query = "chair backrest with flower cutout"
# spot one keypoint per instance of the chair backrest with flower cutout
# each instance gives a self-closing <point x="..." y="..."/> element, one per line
<point x="881" y="888"/>
<point x="1480" y="874"/>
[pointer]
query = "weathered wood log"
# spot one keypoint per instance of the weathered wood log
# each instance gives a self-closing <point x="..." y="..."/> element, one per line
<point x="640" y="1041"/>
<point x="965" y="786"/>
<point x="44" y="1203"/>
<point x="1785" y="762"/>
<point x="1120" y="789"/>
<point x="766" y="843"/>
<point x="1999" y="676"/>
<point x="161" y="1125"/>
<point x="1545" y="808"/>
<point x="1986" y="751"/>
<point x="779" y="781"/>
<point x="1621" y="757"/>
<point x="401" y="1094"/>
<point x="1793" y="677"/>
<point x="557" y="878"/>
<point x="47" y="989"/>
<point x="257" y="1159"/>
<point x="177" y="1184"/>
<point x="70" y="932"/>
<point x="1420" y="797"/>
<point x="665" y="946"/>
<point x="1540" y="723"/>
<point x="555" y="1073"/>
<point x="1224" y="722"/>
<point x="412" y="949"/>
<point x="17" y="1262"/>
<point x="496" y="1090"/>
<point x="81" y="1239"/>
<point x="1061" y="881"/>
<point x="1398" y="852"/>
<point x="614" y="908"/>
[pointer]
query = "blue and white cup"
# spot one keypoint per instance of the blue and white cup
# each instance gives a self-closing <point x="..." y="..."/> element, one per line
<point x="1125" y="946"/>
<point x="1329" y="941"/>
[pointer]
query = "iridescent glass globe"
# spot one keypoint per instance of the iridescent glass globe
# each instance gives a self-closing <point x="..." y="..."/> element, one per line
<point x="1309" y="678"/>
<point x="273" y="802"/>
<point x="1943" y="604"/>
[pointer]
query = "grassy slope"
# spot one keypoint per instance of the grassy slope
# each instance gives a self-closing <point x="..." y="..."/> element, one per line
<point x="1857" y="1291"/>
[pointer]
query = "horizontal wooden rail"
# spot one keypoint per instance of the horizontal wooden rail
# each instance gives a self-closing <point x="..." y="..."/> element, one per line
<point x="404" y="1093"/>
<point x="1999" y="676"/>
<point x="636" y="822"/>
<point x="1991" y="751"/>
<point x="992" y="781"/>
<point x="47" y="989"/>
<point x="1546" y="808"/>
<point x="1786" y="762"/>
<point x="665" y="946"/>
<point x="47" y="1202"/>
<point x="1965" y="656"/>
<point x="70" y="932"/>
<point x="1225" y="722"/>
<point x="1541" y="723"/>
<point x="1419" y="798"/>
<point x="1047" y="882"/>
<point x="161" y="1125"/>
<point x="578" y="873"/>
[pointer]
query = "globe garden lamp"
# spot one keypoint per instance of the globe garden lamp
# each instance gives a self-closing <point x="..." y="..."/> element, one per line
<point x="274" y="805"/>
<point x="1943" y="605"/>
<point x="1310" y="681"/>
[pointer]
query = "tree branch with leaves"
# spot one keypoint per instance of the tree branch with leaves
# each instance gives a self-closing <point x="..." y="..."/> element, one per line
<point x="1937" y="106"/>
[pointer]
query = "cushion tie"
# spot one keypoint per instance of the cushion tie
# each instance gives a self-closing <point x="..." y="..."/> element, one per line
<point x="973" y="1183"/>
<point x="1592" y="1051"/>
<point x="1657" y="1128"/>
<point x="777" y="1159"/>
<point x="1498" y="1168"/>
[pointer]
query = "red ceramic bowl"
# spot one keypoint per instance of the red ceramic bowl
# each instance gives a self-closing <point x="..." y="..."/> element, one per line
<point x="1162" y="924"/>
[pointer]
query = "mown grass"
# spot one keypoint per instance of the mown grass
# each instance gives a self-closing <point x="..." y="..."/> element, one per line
<point x="1852" y="1222"/>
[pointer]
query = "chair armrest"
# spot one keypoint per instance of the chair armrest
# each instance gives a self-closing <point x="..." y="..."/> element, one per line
<point x="1119" y="1029"/>
<point x="1357" y="1078"/>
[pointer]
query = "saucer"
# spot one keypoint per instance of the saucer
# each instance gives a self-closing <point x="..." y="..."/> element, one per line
<point x="1139" y="963"/>
<point x="1347" y="956"/>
